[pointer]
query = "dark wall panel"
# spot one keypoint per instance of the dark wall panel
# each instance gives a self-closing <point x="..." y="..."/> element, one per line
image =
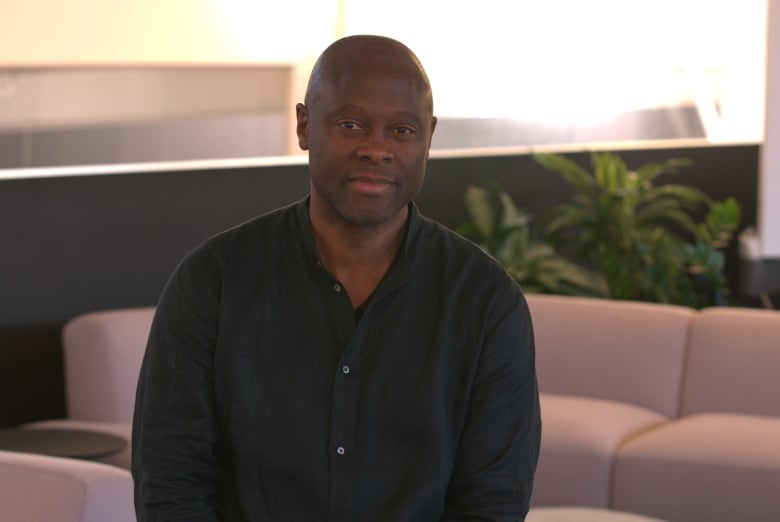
<point x="77" y="244"/>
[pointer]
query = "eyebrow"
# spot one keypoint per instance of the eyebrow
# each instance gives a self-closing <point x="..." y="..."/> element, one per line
<point x="399" y="114"/>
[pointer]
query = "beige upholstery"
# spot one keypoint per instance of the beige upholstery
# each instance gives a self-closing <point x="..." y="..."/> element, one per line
<point x="620" y="350"/>
<point x="713" y="467"/>
<point x="580" y="437"/>
<point x="102" y="354"/>
<point x="720" y="462"/>
<point x="734" y="363"/>
<point x="35" y="488"/>
<point x="659" y="410"/>
<point x="607" y="371"/>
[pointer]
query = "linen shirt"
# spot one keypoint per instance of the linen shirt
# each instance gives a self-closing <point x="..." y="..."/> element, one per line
<point x="261" y="398"/>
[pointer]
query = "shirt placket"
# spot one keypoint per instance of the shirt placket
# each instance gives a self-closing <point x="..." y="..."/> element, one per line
<point x="341" y="444"/>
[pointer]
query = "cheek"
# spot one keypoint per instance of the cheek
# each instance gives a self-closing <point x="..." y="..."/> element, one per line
<point x="415" y="163"/>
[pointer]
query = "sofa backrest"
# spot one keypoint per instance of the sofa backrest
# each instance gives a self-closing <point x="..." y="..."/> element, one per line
<point x="620" y="350"/>
<point x="733" y="362"/>
<point x="102" y="354"/>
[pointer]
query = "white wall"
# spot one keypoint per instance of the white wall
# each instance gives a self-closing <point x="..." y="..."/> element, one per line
<point x="769" y="186"/>
<point x="699" y="34"/>
<point x="79" y="32"/>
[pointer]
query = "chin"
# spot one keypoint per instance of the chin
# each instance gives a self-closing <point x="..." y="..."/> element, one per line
<point x="370" y="217"/>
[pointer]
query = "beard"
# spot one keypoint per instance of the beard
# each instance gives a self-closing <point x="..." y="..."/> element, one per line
<point x="360" y="210"/>
<point x="348" y="204"/>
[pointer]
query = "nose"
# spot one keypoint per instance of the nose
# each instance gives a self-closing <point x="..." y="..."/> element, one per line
<point x="375" y="147"/>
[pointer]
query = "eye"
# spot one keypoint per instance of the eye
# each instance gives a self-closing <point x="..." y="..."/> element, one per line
<point x="350" y="125"/>
<point x="405" y="129"/>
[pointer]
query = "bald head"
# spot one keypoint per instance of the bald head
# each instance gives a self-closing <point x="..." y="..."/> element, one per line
<point x="362" y="55"/>
<point x="367" y="125"/>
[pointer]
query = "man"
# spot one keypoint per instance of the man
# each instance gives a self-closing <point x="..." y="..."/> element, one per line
<point x="343" y="358"/>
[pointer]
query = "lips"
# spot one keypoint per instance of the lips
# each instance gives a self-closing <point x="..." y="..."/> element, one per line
<point x="370" y="184"/>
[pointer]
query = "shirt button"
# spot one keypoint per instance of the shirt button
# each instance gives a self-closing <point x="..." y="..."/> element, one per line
<point x="345" y="369"/>
<point x="337" y="287"/>
<point x="340" y="450"/>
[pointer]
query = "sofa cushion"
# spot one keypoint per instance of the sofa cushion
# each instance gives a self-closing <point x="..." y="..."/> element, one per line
<point x="713" y="467"/>
<point x="734" y="362"/>
<point x="35" y="488"/>
<point x="102" y="354"/>
<point x="618" y="350"/>
<point x="580" y="436"/>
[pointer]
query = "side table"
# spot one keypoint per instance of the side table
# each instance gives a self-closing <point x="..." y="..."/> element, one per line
<point x="60" y="442"/>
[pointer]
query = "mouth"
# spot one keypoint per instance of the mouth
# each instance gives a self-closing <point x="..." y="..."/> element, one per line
<point x="370" y="184"/>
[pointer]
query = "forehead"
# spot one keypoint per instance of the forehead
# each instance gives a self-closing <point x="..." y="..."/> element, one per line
<point x="371" y="76"/>
<point x="376" y="90"/>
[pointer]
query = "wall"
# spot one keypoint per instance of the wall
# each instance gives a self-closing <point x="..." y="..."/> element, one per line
<point x="88" y="242"/>
<point x="101" y="115"/>
<point x="89" y="32"/>
<point x="769" y="186"/>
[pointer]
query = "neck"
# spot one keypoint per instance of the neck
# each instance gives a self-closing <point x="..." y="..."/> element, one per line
<point x="358" y="256"/>
<point x="358" y="246"/>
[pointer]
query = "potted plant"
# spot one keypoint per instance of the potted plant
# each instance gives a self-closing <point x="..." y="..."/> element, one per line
<point x="642" y="237"/>
<point x="503" y="231"/>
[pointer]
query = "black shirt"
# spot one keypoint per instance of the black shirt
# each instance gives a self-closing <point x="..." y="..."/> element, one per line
<point x="262" y="397"/>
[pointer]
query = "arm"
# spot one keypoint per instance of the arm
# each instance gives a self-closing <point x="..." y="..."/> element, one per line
<point x="175" y="433"/>
<point x="498" y="449"/>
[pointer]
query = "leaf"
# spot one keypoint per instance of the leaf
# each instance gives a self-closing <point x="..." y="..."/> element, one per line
<point x="570" y="171"/>
<point x="689" y="196"/>
<point x="566" y="216"/>
<point x="478" y="206"/>
<point x="511" y="215"/>
<point x="649" y="171"/>
<point x="610" y="172"/>
<point x="469" y="230"/>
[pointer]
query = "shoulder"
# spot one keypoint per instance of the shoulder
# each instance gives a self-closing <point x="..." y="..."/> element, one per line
<point x="446" y="249"/>
<point x="249" y="244"/>
<point x="229" y="258"/>
<point x="253" y="234"/>
<point x="280" y="221"/>
<point x="461" y="268"/>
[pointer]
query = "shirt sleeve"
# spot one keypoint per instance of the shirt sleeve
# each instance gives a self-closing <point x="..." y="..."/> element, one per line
<point x="499" y="446"/>
<point x="175" y="454"/>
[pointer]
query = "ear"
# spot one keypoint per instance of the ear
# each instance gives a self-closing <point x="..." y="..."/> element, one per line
<point x="301" y="127"/>
<point x="434" y="120"/>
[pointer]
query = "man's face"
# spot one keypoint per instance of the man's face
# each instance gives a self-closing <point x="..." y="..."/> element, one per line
<point x="368" y="135"/>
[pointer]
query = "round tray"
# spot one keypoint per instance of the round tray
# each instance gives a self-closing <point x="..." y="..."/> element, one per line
<point x="61" y="442"/>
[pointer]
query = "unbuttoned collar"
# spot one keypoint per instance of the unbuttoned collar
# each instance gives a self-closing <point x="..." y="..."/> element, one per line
<point x="401" y="267"/>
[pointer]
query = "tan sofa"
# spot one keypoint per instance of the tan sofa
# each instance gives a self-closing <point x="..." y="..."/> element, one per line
<point x="659" y="410"/>
<point x="652" y="409"/>
<point x="36" y="488"/>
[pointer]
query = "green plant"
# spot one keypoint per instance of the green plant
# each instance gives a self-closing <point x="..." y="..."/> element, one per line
<point x="643" y="237"/>
<point x="503" y="231"/>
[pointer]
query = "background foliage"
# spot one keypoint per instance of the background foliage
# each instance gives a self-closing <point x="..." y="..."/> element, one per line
<point x="625" y="236"/>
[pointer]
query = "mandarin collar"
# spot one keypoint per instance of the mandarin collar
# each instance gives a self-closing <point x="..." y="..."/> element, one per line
<point x="403" y="258"/>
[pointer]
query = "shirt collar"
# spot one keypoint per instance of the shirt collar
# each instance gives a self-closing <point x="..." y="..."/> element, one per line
<point x="400" y="269"/>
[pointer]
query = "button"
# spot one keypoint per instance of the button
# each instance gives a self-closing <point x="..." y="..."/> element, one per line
<point x="340" y="450"/>
<point x="319" y="263"/>
<point x="337" y="287"/>
<point x="345" y="369"/>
